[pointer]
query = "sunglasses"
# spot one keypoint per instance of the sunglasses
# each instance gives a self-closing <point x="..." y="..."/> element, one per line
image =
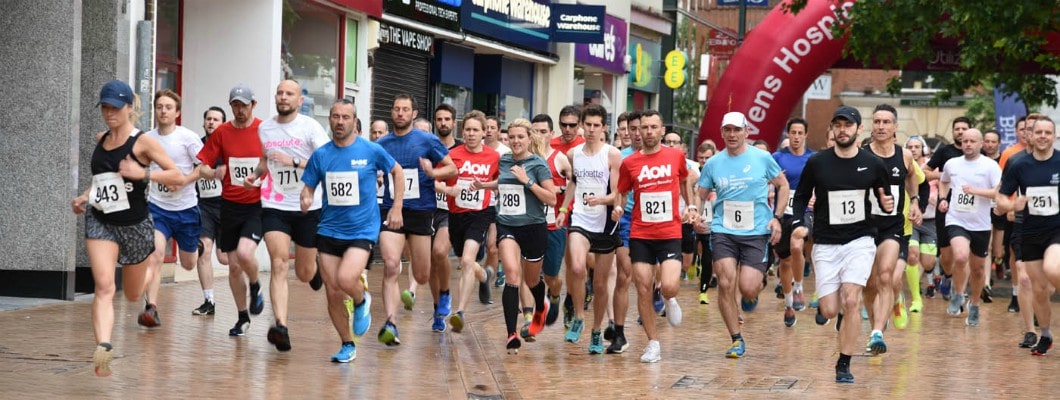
<point x="570" y="125"/>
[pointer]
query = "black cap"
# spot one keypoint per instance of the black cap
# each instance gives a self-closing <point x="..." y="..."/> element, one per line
<point x="848" y="113"/>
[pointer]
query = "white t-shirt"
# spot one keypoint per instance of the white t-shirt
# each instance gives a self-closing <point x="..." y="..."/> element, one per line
<point x="182" y="145"/>
<point x="502" y="149"/>
<point x="969" y="211"/>
<point x="297" y="139"/>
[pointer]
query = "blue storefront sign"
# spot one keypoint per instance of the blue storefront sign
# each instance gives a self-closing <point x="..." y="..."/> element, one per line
<point x="578" y="23"/>
<point x="525" y="23"/>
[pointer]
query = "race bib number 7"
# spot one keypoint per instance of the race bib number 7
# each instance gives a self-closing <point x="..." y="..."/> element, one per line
<point x="412" y="184"/>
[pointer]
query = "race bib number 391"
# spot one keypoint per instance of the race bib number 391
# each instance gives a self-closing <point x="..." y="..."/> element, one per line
<point x="239" y="168"/>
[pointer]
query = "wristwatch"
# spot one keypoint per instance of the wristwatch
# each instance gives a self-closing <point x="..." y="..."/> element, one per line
<point x="528" y="184"/>
<point x="297" y="161"/>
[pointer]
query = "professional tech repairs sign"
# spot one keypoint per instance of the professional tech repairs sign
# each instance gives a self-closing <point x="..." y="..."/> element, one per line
<point x="525" y="23"/>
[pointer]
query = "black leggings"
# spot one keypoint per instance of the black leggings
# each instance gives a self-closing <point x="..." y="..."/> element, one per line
<point x="706" y="261"/>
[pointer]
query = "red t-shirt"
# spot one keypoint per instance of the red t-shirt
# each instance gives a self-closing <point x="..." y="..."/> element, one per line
<point x="241" y="150"/>
<point x="564" y="147"/>
<point x="655" y="180"/>
<point x="483" y="166"/>
<point x="552" y="213"/>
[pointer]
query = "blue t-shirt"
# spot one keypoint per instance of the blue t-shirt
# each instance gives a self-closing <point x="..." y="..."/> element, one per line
<point x="742" y="185"/>
<point x="407" y="150"/>
<point x="626" y="152"/>
<point x="353" y="172"/>
<point x="792" y="166"/>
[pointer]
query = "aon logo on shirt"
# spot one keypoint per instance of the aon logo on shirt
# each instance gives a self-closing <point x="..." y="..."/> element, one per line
<point x="474" y="169"/>
<point x="647" y="172"/>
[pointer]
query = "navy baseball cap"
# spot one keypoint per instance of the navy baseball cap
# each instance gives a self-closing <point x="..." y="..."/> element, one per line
<point x="115" y="93"/>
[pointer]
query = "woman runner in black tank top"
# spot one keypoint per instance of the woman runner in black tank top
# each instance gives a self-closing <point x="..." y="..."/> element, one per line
<point x="104" y="161"/>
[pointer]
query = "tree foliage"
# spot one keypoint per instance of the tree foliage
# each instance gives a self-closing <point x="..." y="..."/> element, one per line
<point x="1002" y="41"/>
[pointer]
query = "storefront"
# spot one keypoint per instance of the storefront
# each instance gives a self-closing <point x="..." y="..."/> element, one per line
<point x="600" y="68"/>
<point x="644" y="76"/>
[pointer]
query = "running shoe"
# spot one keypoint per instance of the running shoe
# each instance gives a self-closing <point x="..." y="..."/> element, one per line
<point x="618" y="346"/>
<point x="973" y="316"/>
<point x="347" y="353"/>
<point x="789" y="317"/>
<point x="684" y="275"/>
<point x="652" y="353"/>
<point x="1014" y="305"/>
<point x="348" y="302"/>
<point x="814" y="302"/>
<point x="596" y="343"/>
<point x="899" y="315"/>
<point x="553" y="312"/>
<point x="588" y="290"/>
<point x="257" y="302"/>
<point x="575" y="331"/>
<point x="241" y="328"/>
<point x="317" y="282"/>
<point x="538" y="322"/>
<point x="843" y="375"/>
<point x="703" y="298"/>
<point x="1029" y="340"/>
<point x="568" y="311"/>
<point x="499" y="280"/>
<point x="388" y="334"/>
<point x="779" y="291"/>
<point x="149" y="318"/>
<point x="929" y="291"/>
<point x="438" y="323"/>
<point x="445" y="305"/>
<point x="916" y="306"/>
<point x="987" y="295"/>
<point x="673" y="312"/>
<point x="513" y="344"/>
<point x="207" y="308"/>
<point x="819" y="318"/>
<point x="657" y="300"/>
<point x="484" y="293"/>
<point x="362" y="316"/>
<point x="748" y="305"/>
<point x="408" y="298"/>
<point x="954" y="308"/>
<point x="876" y="344"/>
<point x="737" y="349"/>
<point x="798" y="302"/>
<point x="457" y="321"/>
<point x="101" y="359"/>
<point x="364" y="279"/>
<point x="945" y="287"/>
<point x="1042" y="348"/>
<point x="609" y="332"/>
<point x="525" y="333"/>
<point x="278" y="336"/>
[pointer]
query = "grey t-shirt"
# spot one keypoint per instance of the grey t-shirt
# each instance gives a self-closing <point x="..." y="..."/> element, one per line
<point x="517" y="205"/>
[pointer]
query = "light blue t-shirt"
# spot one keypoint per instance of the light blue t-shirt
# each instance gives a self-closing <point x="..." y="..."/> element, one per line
<point x="742" y="185"/>
<point x="349" y="209"/>
<point x="626" y="152"/>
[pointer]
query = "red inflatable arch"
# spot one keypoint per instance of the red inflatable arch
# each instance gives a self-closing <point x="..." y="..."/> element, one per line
<point x="778" y="61"/>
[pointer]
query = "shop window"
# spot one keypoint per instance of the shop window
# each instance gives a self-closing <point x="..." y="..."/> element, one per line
<point x="310" y="49"/>
<point x="512" y="108"/>
<point x="167" y="46"/>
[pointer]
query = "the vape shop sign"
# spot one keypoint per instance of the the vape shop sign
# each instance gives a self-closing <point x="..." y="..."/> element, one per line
<point x="526" y="23"/>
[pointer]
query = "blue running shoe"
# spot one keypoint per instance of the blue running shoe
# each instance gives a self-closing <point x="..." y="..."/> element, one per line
<point x="737" y="349"/>
<point x="954" y="308"/>
<point x="876" y="344"/>
<point x="388" y="335"/>
<point x="438" y="324"/>
<point x="945" y="286"/>
<point x="347" y="353"/>
<point x="657" y="300"/>
<point x="749" y="305"/>
<point x="362" y="316"/>
<point x="575" y="331"/>
<point x="444" y="305"/>
<point x="499" y="280"/>
<point x="596" y="343"/>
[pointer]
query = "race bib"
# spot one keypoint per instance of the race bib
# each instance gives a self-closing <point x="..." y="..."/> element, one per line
<point x="708" y="212"/>
<point x="108" y="193"/>
<point x="287" y="179"/>
<point x="239" y="168"/>
<point x="656" y="207"/>
<point x="846" y="206"/>
<point x="581" y="203"/>
<point x="343" y="188"/>
<point x="1042" y="200"/>
<point x="209" y="188"/>
<point x="412" y="184"/>
<point x="441" y="201"/>
<point x="876" y="210"/>
<point x="550" y="215"/>
<point x="963" y="202"/>
<point x="738" y="215"/>
<point x="469" y="199"/>
<point x="163" y="192"/>
<point x="791" y="202"/>
<point x="511" y="199"/>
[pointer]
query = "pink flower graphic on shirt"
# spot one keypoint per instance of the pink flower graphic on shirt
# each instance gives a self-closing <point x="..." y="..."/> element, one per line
<point x="267" y="192"/>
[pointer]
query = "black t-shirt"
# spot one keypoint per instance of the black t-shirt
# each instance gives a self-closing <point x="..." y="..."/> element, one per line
<point x="842" y="212"/>
<point x="938" y="160"/>
<point x="1040" y="182"/>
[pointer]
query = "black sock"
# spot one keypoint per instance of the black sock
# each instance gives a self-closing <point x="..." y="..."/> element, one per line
<point x="510" y="302"/>
<point x="539" y="295"/>
<point x="363" y="299"/>
<point x="528" y="310"/>
<point x="446" y="291"/>
<point x="737" y="337"/>
<point x="348" y="343"/>
<point x="844" y="360"/>
<point x="620" y="330"/>
<point x="244" y="315"/>
<point x="255" y="288"/>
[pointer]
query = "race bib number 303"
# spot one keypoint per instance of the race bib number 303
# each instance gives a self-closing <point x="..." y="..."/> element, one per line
<point x="209" y="188"/>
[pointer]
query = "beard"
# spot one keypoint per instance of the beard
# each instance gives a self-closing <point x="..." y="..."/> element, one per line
<point x="444" y="132"/>
<point x="285" y="110"/>
<point x="846" y="145"/>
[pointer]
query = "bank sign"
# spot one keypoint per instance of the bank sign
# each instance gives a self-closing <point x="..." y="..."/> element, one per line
<point x="525" y="23"/>
<point x="609" y="52"/>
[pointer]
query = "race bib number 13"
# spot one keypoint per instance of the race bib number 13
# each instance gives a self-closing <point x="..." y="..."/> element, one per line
<point x="846" y="206"/>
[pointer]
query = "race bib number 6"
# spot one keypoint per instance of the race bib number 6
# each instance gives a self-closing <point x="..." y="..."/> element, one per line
<point x="739" y="215"/>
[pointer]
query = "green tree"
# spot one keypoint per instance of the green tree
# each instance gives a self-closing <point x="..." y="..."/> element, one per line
<point x="999" y="40"/>
<point x="688" y="110"/>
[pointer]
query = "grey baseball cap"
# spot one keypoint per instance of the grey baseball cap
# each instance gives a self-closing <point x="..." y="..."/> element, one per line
<point x="242" y="93"/>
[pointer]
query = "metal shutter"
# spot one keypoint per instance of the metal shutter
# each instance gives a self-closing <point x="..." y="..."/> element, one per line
<point x="398" y="70"/>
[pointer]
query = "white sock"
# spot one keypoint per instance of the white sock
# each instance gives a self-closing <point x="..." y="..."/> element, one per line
<point x="1016" y="289"/>
<point x="208" y="293"/>
<point x="788" y="299"/>
<point x="798" y="287"/>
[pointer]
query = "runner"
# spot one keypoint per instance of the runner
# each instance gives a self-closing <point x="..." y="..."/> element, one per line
<point x="992" y="150"/>
<point x="118" y="228"/>
<point x="379" y="129"/>
<point x="492" y="253"/>
<point x="346" y="169"/>
<point x="444" y="121"/>
<point x="843" y="253"/>
<point x="922" y="242"/>
<point x="974" y="179"/>
<point x="469" y="213"/>
<point x="525" y="187"/>
<point x="288" y="139"/>
<point x="174" y="209"/>
<point x="1020" y="277"/>
<point x="591" y="228"/>
<point x="1034" y="180"/>
<point x="790" y="249"/>
<point x="743" y="223"/>
<point x="933" y="172"/>
<point x="237" y="142"/>
<point x="417" y="152"/>
<point x="560" y="168"/>
<point x="623" y="263"/>
<point x="210" y="217"/>
<point x="704" y="152"/>
<point x="657" y="176"/>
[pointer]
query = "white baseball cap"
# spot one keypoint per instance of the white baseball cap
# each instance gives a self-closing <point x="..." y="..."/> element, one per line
<point x="734" y="118"/>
